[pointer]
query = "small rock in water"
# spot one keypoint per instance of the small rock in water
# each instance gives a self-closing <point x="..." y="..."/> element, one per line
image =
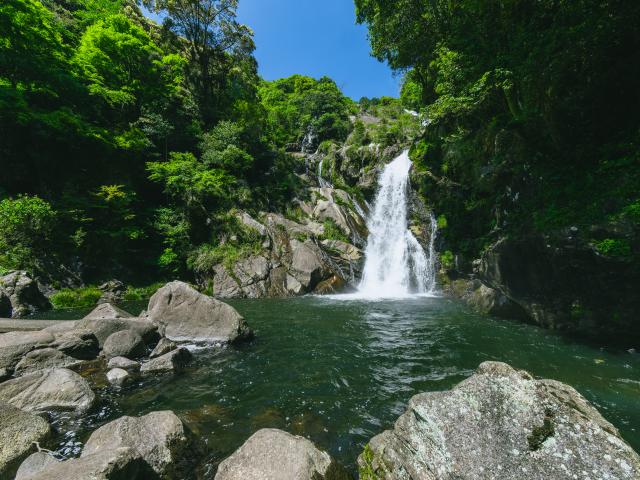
<point x="174" y="361"/>
<point x="118" y="377"/>
<point x="164" y="346"/>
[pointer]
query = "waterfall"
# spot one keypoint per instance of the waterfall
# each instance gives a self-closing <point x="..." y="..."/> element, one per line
<point x="396" y="265"/>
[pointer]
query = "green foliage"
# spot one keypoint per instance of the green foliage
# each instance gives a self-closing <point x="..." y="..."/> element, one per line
<point x="76" y="298"/>
<point x="139" y="294"/>
<point x="447" y="260"/>
<point x="366" y="471"/>
<point x="333" y="232"/>
<point x="298" y="105"/>
<point x="614" y="247"/>
<point x="26" y="226"/>
<point x="442" y="222"/>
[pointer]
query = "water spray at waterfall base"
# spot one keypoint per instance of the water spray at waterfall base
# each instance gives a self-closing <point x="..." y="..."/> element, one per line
<point x="396" y="265"/>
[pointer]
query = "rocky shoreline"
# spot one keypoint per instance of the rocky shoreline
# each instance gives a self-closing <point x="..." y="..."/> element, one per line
<point x="500" y="423"/>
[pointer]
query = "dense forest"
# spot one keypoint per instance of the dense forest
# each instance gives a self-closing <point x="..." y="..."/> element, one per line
<point x="125" y="143"/>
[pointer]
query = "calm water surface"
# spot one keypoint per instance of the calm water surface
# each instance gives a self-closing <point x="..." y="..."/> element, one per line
<point x="340" y="372"/>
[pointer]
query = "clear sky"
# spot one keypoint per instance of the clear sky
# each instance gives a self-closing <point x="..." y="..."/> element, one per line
<point x="316" y="38"/>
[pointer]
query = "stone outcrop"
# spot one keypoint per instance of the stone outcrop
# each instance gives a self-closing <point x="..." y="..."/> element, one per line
<point x="273" y="454"/>
<point x="51" y="390"/>
<point x="159" y="438"/>
<point x="564" y="283"/>
<point x="500" y="424"/>
<point x="183" y="314"/>
<point x="18" y="432"/>
<point x="23" y="293"/>
<point x="14" y="345"/>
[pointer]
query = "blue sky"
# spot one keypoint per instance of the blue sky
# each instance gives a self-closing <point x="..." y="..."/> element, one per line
<point x="316" y="38"/>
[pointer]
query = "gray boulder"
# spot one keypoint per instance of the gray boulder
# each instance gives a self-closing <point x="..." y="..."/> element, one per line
<point x="308" y="266"/>
<point x="24" y="294"/>
<point x="107" y="310"/>
<point x="44" y="358"/>
<point x="125" y="343"/>
<point x="118" y="377"/>
<point x="109" y="464"/>
<point x="18" y="432"/>
<point x="163" y="347"/>
<point x="103" y="328"/>
<point x="184" y="314"/>
<point x="34" y="464"/>
<point x="172" y="362"/>
<point x="124" y="363"/>
<point x="272" y="454"/>
<point x="500" y="424"/>
<point x="159" y="438"/>
<point x="58" y="389"/>
<point x="14" y="345"/>
<point x="80" y="343"/>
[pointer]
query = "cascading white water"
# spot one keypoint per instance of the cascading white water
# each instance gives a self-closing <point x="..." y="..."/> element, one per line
<point x="396" y="265"/>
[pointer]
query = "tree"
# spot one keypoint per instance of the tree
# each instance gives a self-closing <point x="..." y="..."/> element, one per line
<point x="215" y="40"/>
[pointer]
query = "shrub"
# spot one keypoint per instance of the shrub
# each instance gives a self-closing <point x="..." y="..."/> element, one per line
<point x="447" y="260"/>
<point x="333" y="232"/>
<point x="76" y="297"/>
<point x="614" y="247"/>
<point x="137" y="294"/>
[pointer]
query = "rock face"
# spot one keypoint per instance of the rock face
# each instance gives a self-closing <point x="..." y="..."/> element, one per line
<point x="107" y="310"/>
<point x="159" y="438"/>
<point x="272" y="454"/>
<point x="564" y="283"/>
<point x="57" y="389"/>
<point x="184" y="314"/>
<point x="24" y="294"/>
<point x="500" y="424"/>
<point x="18" y="431"/>
<point x="125" y="343"/>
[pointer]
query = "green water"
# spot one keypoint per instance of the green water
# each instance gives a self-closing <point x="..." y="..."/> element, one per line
<point x="340" y="372"/>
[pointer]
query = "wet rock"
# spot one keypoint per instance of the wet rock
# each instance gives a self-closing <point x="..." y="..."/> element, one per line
<point x="107" y="310"/>
<point x="34" y="464"/>
<point x="274" y="454"/>
<point x="159" y="438"/>
<point x="184" y="314"/>
<point x="247" y="279"/>
<point x="14" y="345"/>
<point x="124" y="363"/>
<point x="118" y="377"/>
<point x="172" y="362"/>
<point x="24" y="294"/>
<point x="57" y="389"/>
<point x="500" y="424"/>
<point x="163" y="347"/>
<point x="125" y="343"/>
<point x="44" y="358"/>
<point x="18" y="432"/>
<point x="108" y="464"/>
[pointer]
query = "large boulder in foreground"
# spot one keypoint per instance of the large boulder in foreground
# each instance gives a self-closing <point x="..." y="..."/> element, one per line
<point x="58" y="389"/>
<point x="125" y="343"/>
<point x="159" y="438"/>
<point x="18" y="432"/>
<point x="184" y="314"/>
<point x="34" y="464"/>
<point x="24" y="294"/>
<point x="273" y="454"/>
<point x="500" y="424"/>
